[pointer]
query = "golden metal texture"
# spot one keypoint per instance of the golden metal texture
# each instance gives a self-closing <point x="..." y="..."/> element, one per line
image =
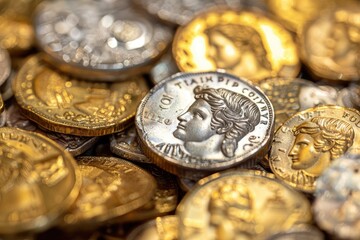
<point x="329" y="45"/>
<point x="38" y="181"/>
<point x="240" y="205"/>
<point x="306" y="144"/>
<point x="247" y="44"/>
<point x="67" y="105"/>
<point x="1" y="104"/>
<point x="111" y="187"/>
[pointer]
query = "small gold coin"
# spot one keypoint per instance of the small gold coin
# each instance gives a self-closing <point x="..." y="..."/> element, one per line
<point x="111" y="187"/>
<point x="66" y="105"/>
<point x="38" y="181"/>
<point x="294" y="14"/>
<point x="244" y="43"/>
<point x="240" y="205"/>
<point x="161" y="228"/>
<point x="330" y="45"/>
<point x="306" y="144"/>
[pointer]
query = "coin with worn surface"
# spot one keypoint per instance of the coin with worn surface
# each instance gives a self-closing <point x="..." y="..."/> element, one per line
<point x="39" y="181"/>
<point x="337" y="204"/>
<point x="306" y="144"/>
<point x="75" y="145"/>
<point x="95" y="40"/>
<point x="195" y="123"/>
<point x="161" y="228"/>
<point x="181" y="12"/>
<point x="5" y="66"/>
<point x="291" y="95"/>
<point x="66" y="105"/>
<point x="243" y="204"/>
<point x="163" y="202"/>
<point x="247" y="44"/>
<point x="350" y="96"/>
<point x="295" y="14"/>
<point x="329" y="45"/>
<point x="125" y="144"/>
<point x="299" y="232"/>
<point x="111" y="187"/>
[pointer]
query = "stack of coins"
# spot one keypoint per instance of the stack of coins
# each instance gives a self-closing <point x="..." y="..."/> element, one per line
<point x="177" y="120"/>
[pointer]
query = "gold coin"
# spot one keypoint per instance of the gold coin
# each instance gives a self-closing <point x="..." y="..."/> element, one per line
<point x="330" y="45"/>
<point x="240" y="205"/>
<point x="306" y="144"/>
<point x="1" y="105"/>
<point x="38" y="181"/>
<point x="244" y="43"/>
<point x="161" y="228"/>
<point x="67" y="105"/>
<point x="294" y="14"/>
<point x="15" y="36"/>
<point x="111" y="187"/>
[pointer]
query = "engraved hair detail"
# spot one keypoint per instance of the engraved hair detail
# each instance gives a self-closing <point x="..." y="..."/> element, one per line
<point x="233" y="115"/>
<point x="328" y="133"/>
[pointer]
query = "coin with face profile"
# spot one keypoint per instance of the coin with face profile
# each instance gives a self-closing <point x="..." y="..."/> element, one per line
<point x="63" y="104"/>
<point x="246" y="43"/>
<point x="208" y="121"/>
<point x="99" y="40"/>
<point x="306" y="144"/>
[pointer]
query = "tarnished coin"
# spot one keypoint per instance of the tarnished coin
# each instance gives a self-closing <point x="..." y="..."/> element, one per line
<point x="75" y="145"/>
<point x="125" y="144"/>
<point x="39" y="181"/>
<point x="350" y="96"/>
<point x="5" y="66"/>
<point x="306" y="144"/>
<point x="247" y="44"/>
<point x="195" y="123"/>
<point x="164" y="201"/>
<point x="66" y="105"/>
<point x="337" y="204"/>
<point x="330" y="45"/>
<point x="181" y="11"/>
<point x="96" y="40"/>
<point x="291" y="95"/>
<point x="240" y="205"/>
<point x="294" y="14"/>
<point x="299" y="232"/>
<point x="161" y="228"/>
<point x="111" y="187"/>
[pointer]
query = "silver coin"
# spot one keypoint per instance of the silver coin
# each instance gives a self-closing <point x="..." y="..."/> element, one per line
<point x="6" y="89"/>
<point x="97" y="41"/>
<point x="181" y="11"/>
<point x="5" y="65"/>
<point x="337" y="204"/>
<point x="164" y="68"/>
<point x="125" y="145"/>
<point x="75" y="145"/>
<point x="195" y="122"/>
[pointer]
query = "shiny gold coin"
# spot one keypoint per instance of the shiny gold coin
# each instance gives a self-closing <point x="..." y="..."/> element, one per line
<point x="111" y="187"/>
<point x="240" y="205"/>
<point x="38" y="181"/>
<point x="161" y="228"/>
<point x="244" y="43"/>
<point x="1" y="104"/>
<point x="294" y="14"/>
<point x="306" y="144"/>
<point x="66" y="105"/>
<point x="330" y="45"/>
<point x="15" y="36"/>
<point x="19" y="10"/>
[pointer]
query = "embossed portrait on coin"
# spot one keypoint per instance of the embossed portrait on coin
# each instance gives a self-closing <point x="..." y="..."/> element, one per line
<point x="343" y="41"/>
<point x="317" y="143"/>
<point x="214" y="124"/>
<point x="238" y="48"/>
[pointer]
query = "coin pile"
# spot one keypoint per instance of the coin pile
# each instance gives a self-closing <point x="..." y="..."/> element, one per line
<point x="178" y="119"/>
